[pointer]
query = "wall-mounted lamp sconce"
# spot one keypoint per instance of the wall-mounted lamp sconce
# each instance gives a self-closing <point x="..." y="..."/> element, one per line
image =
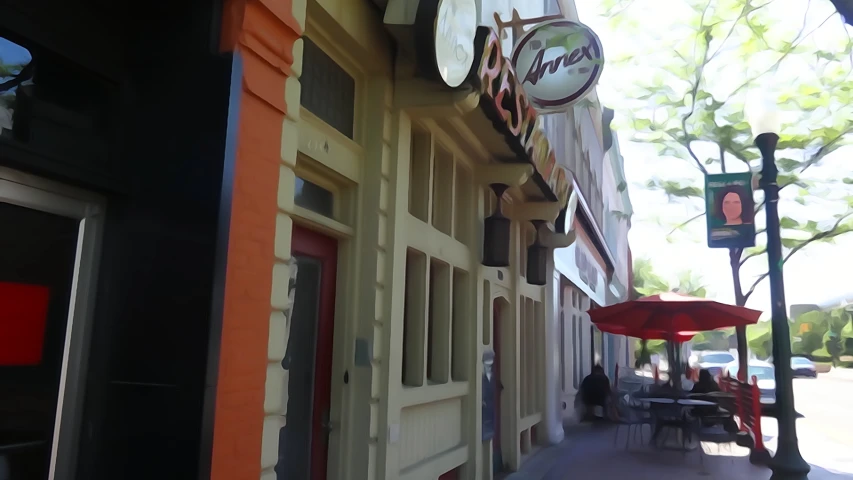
<point x="537" y="258"/>
<point x="496" y="232"/>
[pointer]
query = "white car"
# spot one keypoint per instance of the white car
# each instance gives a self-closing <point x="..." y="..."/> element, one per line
<point x="765" y="376"/>
<point x="803" y="367"/>
<point x="714" y="362"/>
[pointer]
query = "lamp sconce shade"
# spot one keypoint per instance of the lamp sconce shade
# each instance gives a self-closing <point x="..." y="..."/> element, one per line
<point x="537" y="259"/>
<point x="763" y="116"/>
<point x="497" y="233"/>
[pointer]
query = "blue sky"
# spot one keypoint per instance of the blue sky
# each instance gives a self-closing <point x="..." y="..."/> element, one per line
<point x="819" y="273"/>
<point x="11" y="53"/>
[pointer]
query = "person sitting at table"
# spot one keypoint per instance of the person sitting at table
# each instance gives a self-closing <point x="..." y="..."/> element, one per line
<point x="595" y="392"/>
<point x="706" y="383"/>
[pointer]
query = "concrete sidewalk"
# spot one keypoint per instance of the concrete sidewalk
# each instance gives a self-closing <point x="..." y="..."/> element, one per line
<point x="589" y="452"/>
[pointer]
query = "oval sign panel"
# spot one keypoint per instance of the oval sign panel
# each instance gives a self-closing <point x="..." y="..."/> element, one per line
<point x="558" y="63"/>
<point x="455" y="28"/>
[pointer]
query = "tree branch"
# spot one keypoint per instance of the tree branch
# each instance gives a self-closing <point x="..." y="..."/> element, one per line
<point x="822" y="151"/>
<point x="722" y="157"/>
<point x="679" y="227"/>
<point x="694" y="90"/>
<point x="752" y="255"/>
<point x="814" y="238"/>
<point x="740" y="16"/>
<point x="794" y="44"/>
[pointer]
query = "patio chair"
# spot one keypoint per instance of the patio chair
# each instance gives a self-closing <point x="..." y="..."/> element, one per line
<point x="626" y="412"/>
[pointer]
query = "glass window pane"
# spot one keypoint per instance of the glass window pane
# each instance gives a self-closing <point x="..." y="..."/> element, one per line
<point x="15" y="71"/>
<point x="314" y="197"/>
<point x="328" y="91"/>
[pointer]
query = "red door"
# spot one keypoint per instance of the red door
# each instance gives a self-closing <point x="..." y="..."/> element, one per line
<point x="497" y="464"/>
<point x="317" y="257"/>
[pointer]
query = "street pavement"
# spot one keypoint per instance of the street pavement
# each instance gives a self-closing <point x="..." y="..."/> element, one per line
<point x="825" y="433"/>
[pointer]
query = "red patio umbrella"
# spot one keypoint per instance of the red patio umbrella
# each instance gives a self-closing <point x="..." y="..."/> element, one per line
<point x="644" y="334"/>
<point x="673" y="312"/>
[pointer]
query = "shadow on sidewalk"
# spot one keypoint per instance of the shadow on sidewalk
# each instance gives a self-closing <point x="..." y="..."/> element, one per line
<point x="591" y="453"/>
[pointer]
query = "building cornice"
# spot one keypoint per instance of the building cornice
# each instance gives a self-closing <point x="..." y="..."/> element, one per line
<point x="586" y="219"/>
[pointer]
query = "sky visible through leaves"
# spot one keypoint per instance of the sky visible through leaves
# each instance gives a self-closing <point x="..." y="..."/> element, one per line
<point x="640" y="39"/>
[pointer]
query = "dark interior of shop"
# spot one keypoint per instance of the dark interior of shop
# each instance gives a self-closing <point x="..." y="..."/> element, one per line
<point x="130" y="102"/>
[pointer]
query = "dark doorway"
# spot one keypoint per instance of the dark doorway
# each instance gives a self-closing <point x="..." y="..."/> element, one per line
<point x="37" y="257"/>
<point x="304" y="441"/>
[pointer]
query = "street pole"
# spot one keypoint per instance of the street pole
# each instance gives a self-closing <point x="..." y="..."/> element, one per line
<point x="788" y="463"/>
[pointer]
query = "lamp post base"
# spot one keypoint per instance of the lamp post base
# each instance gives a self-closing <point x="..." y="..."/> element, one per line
<point x="788" y="464"/>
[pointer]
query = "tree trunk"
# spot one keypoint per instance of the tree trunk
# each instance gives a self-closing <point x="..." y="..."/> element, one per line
<point x="740" y="300"/>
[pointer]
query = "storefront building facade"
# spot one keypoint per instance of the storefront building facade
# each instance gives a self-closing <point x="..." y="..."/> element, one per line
<point x="332" y="258"/>
<point x="392" y="299"/>
<point x="595" y="270"/>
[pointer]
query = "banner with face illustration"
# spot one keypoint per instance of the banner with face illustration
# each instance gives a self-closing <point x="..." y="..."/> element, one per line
<point x="730" y="210"/>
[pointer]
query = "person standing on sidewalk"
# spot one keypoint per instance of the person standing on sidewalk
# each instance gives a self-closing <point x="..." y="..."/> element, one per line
<point x="595" y="393"/>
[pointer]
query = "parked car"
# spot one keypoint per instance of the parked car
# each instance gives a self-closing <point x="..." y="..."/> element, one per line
<point x="803" y="367"/>
<point x="764" y="374"/>
<point x="713" y="361"/>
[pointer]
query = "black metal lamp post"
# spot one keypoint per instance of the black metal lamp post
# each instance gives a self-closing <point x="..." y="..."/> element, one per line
<point x="788" y="463"/>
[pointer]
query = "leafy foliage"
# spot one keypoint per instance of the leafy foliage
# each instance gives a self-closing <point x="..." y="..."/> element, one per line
<point x="823" y="334"/>
<point x="648" y="282"/>
<point x="688" y="107"/>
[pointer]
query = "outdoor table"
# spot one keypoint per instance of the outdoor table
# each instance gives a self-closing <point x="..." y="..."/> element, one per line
<point x="713" y="394"/>
<point x="692" y="402"/>
<point x="679" y="424"/>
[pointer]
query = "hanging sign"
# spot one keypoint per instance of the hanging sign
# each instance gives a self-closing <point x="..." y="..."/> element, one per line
<point x="507" y="104"/>
<point x="730" y="210"/>
<point x="449" y="44"/>
<point x="558" y="63"/>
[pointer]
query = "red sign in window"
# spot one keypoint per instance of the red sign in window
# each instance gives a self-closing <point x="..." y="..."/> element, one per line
<point x="23" y="319"/>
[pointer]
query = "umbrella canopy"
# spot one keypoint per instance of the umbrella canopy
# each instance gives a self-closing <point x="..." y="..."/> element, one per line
<point x="643" y="334"/>
<point x="674" y="312"/>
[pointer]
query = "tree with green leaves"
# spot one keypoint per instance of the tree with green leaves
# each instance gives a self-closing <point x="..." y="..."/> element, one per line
<point x="822" y="334"/>
<point x="689" y="104"/>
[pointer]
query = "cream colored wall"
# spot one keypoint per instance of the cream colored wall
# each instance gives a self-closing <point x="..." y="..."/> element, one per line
<point x="359" y="173"/>
<point x="381" y="429"/>
<point x="576" y="348"/>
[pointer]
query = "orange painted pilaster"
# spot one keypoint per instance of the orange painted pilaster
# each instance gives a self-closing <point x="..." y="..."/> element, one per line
<point x="263" y="33"/>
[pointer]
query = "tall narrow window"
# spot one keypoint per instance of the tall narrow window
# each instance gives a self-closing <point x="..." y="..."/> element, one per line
<point x="442" y="191"/>
<point x="420" y="175"/>
<point x="439" y="312"/>
<point x="460" y="325"/>
<point x="462" y="205"/>
<point x="414" y="318"/>
<point x="328" y="91"/>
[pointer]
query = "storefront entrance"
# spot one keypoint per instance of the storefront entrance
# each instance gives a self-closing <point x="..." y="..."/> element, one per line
<point x="43" y="253"/>
<point x="304" y="441"/>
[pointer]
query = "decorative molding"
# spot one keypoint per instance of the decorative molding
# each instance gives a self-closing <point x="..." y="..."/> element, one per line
<point x="552" y="239"/>
<point x="531" y="211"/>
<point x="428" y="99"/>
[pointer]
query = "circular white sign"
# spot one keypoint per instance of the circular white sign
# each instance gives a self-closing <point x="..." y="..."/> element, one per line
<point x="558" y="63"/>
<point x="455" y="29"/>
